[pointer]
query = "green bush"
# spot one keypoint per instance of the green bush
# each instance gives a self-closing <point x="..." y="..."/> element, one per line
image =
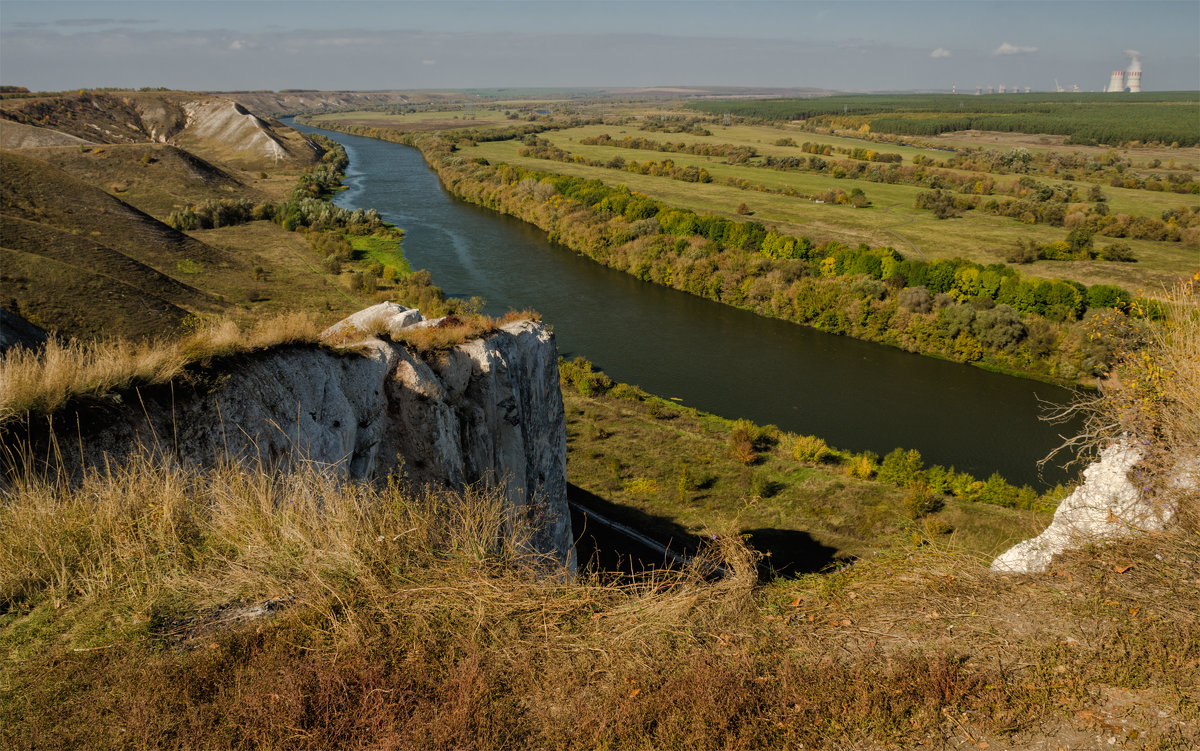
<point x="810" y="449"/>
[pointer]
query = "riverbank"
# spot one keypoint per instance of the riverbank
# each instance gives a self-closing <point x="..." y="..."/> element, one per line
<point x="986" y="316"/>
<point x="673" y="472"/>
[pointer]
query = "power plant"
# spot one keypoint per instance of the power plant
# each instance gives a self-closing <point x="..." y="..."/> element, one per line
<point x="1130" y="78"/>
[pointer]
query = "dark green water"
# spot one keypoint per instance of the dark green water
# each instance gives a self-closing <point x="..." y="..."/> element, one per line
<point x="857" y="395"/>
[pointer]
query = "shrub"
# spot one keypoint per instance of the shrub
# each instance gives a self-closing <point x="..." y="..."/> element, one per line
<point x="628" y="392"/>
<point x="999" y="328"/>
<point x="1118" y="252"/>
<point x="642" y="486"/>
<point x="810" y="449"/>
<point x="916" y="299"/>
<point x="741" y="442"/>
<point x="902" y="468"/>
<point x="861" y="465"/>
<point x="920" y="501"/>
<point x="762" y="487"/>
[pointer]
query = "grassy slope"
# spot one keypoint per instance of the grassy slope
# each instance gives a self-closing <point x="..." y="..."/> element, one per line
<point x="112" y="269"/>
<point x="629" y="455"/>
<point x="163" y="609"/>
<point x="154" y="178"/>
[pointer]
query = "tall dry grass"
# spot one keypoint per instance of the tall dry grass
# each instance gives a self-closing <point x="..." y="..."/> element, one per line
<point x="153" y="606"/>
<point x="1153" y="403"/>
<point x="43" y="380"/>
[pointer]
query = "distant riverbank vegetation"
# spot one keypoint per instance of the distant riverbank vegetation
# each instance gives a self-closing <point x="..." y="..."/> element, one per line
<point x="1111" y="119"/>
<point x="987" y="314"/>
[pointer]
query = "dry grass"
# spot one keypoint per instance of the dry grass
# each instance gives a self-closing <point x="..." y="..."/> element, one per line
<point x="45" y="380"/>
<point x="395" y="618"/>
<point x="1153" y="402"/>
<point x="453" y="330"/>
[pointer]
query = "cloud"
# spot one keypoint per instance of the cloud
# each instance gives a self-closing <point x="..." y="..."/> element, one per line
<point x="1012" y="49"/>
<point x="429" y="62"/>
<point x="102" y="21"/>
<point x="940" y="52"/>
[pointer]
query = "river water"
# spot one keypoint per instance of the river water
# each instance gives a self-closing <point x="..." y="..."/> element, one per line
<point x="856" y="395"/>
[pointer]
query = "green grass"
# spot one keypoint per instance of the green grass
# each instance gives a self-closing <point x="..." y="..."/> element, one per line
<point x="632" y="454"/>
<point x="890" y="221"/>
<point x="382" y="250"/>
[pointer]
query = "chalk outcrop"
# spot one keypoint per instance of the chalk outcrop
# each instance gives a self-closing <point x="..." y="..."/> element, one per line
<point x="1107" y="506"/>
<point x="211" y="126"/>
<point x="488" y="409"/>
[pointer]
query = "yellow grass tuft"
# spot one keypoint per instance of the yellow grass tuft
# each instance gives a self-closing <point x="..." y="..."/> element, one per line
<point x="44" y="380"/>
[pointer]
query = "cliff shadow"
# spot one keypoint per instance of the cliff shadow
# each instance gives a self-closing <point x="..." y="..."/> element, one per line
<point x="605" y="550"/>
<point x="790" y="552"/>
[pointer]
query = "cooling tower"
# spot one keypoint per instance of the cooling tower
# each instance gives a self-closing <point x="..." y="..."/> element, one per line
<point x="1134" y="70"/>
<point x="1117" y="82"/>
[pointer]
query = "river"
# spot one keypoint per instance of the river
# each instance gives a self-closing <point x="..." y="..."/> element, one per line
<point x="856" y="395"/>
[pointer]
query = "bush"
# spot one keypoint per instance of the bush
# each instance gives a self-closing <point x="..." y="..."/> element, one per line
<point x="1120" y="252"/>
<point x="999" y="328"/>
<point x="916" y="299"/>
<point x="741" y="442"/>
<point x="861" y="465"/>
<point x="902" y="468"/>
<point x="628" y="392"/>
<point x="920" y="501"/>
<point x="810" y="449"/>
<point x="641" y="486"/>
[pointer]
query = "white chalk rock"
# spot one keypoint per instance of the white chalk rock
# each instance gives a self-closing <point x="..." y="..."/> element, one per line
<point x="1107" y="506"/>
<point x="386" y="317"/>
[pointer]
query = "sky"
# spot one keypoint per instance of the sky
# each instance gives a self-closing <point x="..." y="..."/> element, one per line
<point x="856" y="45"/>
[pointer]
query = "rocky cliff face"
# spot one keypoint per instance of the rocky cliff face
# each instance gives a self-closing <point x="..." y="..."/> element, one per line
<point x="488" y="409"/>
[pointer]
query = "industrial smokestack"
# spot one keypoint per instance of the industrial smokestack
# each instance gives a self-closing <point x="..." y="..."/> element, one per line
<point x="1117" y="82"/>
<point x="1134" y="70"/>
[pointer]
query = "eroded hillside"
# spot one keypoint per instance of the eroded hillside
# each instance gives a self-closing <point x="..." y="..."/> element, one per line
<point x="212" y="127"/>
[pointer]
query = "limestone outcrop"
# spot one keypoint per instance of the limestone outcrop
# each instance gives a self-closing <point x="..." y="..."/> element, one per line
<point x="1106" y="506"/>
<point x="368" y="407"/>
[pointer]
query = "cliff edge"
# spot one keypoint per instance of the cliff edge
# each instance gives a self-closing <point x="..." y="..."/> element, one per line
<point x="367" y="407"/>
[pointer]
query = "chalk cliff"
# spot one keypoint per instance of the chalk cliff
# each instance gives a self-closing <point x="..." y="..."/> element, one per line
<point x="1106" y="506"/>
<point x="366" y="407"/>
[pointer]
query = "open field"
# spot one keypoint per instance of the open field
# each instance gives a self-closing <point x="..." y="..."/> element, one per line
<point x="423" y="121"/>
<point x="890" y="221"/>
<point x="1166" y="117"/>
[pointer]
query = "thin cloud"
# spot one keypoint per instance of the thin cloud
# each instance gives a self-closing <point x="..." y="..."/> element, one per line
<point x="1012" y="49"/>
<point x="940" y="52"/>
<point x="103" y="21"/>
